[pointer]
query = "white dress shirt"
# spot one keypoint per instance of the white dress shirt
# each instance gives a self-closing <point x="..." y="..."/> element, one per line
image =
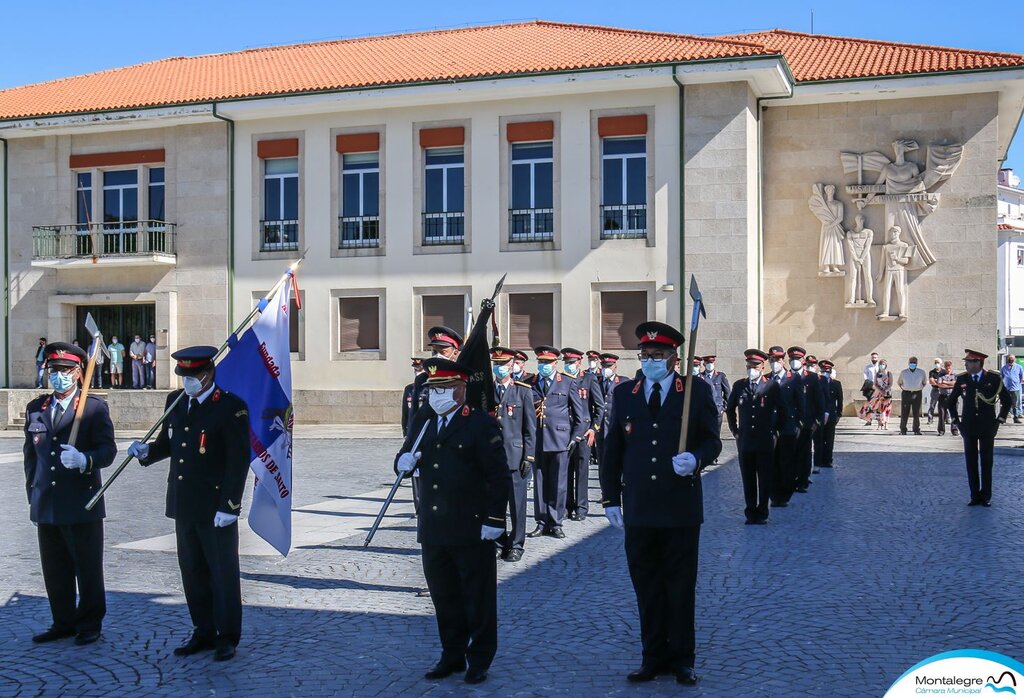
<point x="666" y="384"/>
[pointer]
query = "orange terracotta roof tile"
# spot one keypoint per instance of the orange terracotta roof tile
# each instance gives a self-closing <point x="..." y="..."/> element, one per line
<point x="814" y="57"/>
<point x="476" y="52"/>
<point x="1009" y="226"/>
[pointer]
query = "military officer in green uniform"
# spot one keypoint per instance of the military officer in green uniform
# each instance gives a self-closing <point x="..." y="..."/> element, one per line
<point x="59" y="480"/>
<point x="206" y="436"/>
<point x="465" y="480"/>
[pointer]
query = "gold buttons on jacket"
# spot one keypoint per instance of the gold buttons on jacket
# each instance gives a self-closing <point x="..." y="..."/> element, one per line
<point x="53" y="484"/>
<point x="53" y="453"/>
<point x="181" y="460"/>
<point x="183" y="444"/>
<point x="181" y="477"/>
<point x="436" y="466"/>
<point x="186" y="428"/>
<point x="655" y="425"/>
<point x="434" y="508"/>
<point x="435" y="487"/>
<point x="654" y="442"/>
<point x="52" y="468"/>
<point x="654" y="477"/>
<point x="654" y="460"/>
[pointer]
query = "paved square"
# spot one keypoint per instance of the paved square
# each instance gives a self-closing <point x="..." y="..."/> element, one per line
<point x="880" y="565"/>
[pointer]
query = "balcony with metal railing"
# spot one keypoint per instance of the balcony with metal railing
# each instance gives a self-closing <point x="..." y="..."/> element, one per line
<point x="531" y="225"/>
<point x="358" y="232"/>
<point x="126" y="243"/>
<point x="279" y="236"/>
<point x="624" y="221"/>
<point x="445" y="228"/>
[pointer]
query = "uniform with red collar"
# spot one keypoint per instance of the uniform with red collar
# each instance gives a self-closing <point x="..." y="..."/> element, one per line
<point x="718" y="381"/>
<point x="791" y="417"/>
<point x="578" y="486"/>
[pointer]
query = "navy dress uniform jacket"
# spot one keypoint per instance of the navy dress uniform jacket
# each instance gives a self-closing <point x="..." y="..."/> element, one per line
<point x="464" y="477"/>
<point x="832" y="393"/>
<point x="754" y="414"/>
<point x="592" y="396"/>
<point x="719" y="383"/>
<point x="978" y="418"/>
<point x="518" y="422"/>
<point x="636" y="466"/>
<point x="607" y="386"/>
<point x="560" y="413"/>
<point x="815" y="398"/>
<point x="209" y="452"/>
<point x="793" y="404"/>
<point x="58" y="495"/>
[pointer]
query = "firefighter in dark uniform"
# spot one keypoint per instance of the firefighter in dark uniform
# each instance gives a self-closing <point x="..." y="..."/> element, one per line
<point x="59" y="480"/>
<point x="519" y="372"/>
<point x="559" y="409"/>
<point x="609" y="379"/>
<point x="518" y="422"/>
<point x="791" y="404"/>
<point x="592" y="398"/>
<point x="753" y="414"/>
<point x="719" y="383"/>
<point x="655" y="493"/>
<point x="206" y="436"/>
<point x="832" y="392"/>
<point x="409" y="406"/>
<point x="465" y="478"/>
<point x="812" y="374"/>
<point x="978" y="421"/>
<point x="813" y="413"/>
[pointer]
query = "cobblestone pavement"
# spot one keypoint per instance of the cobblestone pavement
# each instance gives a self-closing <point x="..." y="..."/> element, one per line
<point x="880" y="565"/>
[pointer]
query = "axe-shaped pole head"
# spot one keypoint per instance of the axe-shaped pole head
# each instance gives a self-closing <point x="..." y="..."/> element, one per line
<point x="94" y="331"/>
<point x="698" y="304"/>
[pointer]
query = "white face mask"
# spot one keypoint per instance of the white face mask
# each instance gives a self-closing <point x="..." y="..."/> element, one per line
<point x="608" y="372"/>
<point x="753" y="373"/>
<point x="193" y="386"/>
<point x="593" y="365"/>
<point x="795" y="364"/>
<point x="812" y="369"/>
<point x="441" y="401"/>
<point x="777" y="367"/>
<point x="696" y="370"/>
<point x="708" y="368"/>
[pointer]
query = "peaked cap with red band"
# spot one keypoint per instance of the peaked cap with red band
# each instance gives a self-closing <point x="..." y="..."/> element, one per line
<point x="776" y="352"/>
<point x="811" y="360"/>
<point x="444" y="337"/>
<point x="709" y="359"/>
<point x="658" y="333"/>
<point x="826" y="364"/>
<point x="193" y="360"/>
<point x="441" y="370"/>
<point x="64" y="355"/>
<point x="546" y="352"/>
<point x="609" y="359"/>
<point x="592" y="354"/>
<point x="570" y="353"/>
<point x="502" y="355"/>
<point x="520" y="355"/>
<point x="796" y="352"/>
<point x="975" y="355"/>
<point x="755" y="357"/>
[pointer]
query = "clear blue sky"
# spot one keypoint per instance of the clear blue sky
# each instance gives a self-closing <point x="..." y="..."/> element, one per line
<point x="42" y="41"/>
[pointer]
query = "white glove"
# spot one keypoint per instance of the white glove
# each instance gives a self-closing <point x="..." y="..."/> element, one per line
<point x="73" y="459"/>
<point x="220" y="519"/>
<point x="825" y="420"/>
<point x="684" y="464"/>
<point x="139" y="450"/>
<point x="407" y="462"/>
<point x="614" y="516"/>
<point x="490" y="532"/>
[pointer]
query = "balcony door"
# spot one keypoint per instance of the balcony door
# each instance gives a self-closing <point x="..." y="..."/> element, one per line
<point x="120" y="211"/>
<point x="121" y="321"/>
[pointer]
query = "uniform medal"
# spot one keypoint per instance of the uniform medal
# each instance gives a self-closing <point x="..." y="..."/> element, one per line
<point x="202" y="443"/>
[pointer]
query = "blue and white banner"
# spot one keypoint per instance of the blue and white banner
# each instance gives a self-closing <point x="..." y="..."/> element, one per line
<point x="258" y="370"/>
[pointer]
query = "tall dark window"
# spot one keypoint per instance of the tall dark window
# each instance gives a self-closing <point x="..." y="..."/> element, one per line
<point x="624" y="187"/>
<point x="120" y="211"/>
<point x="280" y="204"/>
<point x="83" y="198"/>
<point x="444" y="196"/>
<point x="531" y="216"/>
<point x="621" y="312"/>
<point x="446" y="311"/>
<point x="360" y="200"/>
<point x="156" y="194"/>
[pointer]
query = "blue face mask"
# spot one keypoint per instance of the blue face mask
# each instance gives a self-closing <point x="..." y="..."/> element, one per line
<point x="61" y="382"/>
<point x="913" y="367"/>
<point x="546" y="370"/>
<point x="501" y="371"/>
<point x="572" y="369"/>
<point x="655" y="369"/>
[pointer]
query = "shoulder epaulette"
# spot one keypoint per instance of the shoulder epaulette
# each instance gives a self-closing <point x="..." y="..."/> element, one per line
<point x="523" y="383"/>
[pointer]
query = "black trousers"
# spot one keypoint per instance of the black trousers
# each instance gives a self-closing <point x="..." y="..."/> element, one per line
<point x="943" y="413"/>
<point x="663" y="566"/>
<point x="208" y="558"/>
<point x="910" y="401"/>
<point x="804" y="457"/>
<point x="578" y="485"/>
<point x="516" y="538"/>
<point x="756" y="471"/>
<point x="463" y="584"/>
<point x="550" y="483"/>
<point x="978" y="454"/>
<point x="73" y="554"/>
<point x="784" y="471"/>
<point x="824" y="443"/>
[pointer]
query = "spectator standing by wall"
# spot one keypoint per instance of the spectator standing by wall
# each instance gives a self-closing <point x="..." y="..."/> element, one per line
<point x="116" y="362"/>
<point x="150" y="362"/>
<point x="1013" y="374"/>
<point x="880" y="403"/>
<point x="137" y="351"/>
<point x="933" y="391"/>
<point x="867" y="389"/>
<point x="912" y="381"/>
<point x="40" y="360"/>
<point x="101" y="358"/>
<point x="946" y="382"/>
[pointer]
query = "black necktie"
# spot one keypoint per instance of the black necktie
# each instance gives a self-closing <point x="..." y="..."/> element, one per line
<point x="58" y="410"/>
<point x="501" y="391"/>
<point x="655" y="402"/>
<point x="192" y="404"/>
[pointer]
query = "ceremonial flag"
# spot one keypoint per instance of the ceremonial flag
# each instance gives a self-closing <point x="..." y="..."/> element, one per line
<point x="258" y="370"/>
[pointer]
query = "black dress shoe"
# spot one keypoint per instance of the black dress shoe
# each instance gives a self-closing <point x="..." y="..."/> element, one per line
<point x="195" y="643"/>
<point x="53" y="634"/>
<point x="537" y="532"/>
<point x="974" y="503"/>
<point x="503" y="553"/>
<point x="515" y="555"/>
<point x="759" y="522"/>
<point x="645" y="673"/>
<point x="475" y="675"/>
<point x="986" y="503"/>
<point x="801" y="490"/>
<point x="445" y="668"/>
<point x="87" y="637"/>
<point x="825" y="465"/>
<point x="557" y="532"/>
<point x="224" y="652"/>
<point x="686" y="676"/>
<point x="780" y="504"/>
<point x="917" y="433"/>
<point x="581" y="517"/>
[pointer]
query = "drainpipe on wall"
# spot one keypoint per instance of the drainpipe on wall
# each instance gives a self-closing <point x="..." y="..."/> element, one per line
<point x="7" y="272"/>
<point x="683" y="323"/>
<point x="231" y="216"/>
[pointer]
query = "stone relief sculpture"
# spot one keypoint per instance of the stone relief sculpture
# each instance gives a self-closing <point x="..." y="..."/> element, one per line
<point x="859" y="281"/>
<point x="892" y="272"/>
<point x="903" y="188"/>
<point x="830" y="212"/>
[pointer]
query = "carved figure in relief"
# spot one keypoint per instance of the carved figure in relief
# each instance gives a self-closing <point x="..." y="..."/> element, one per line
<point x="824" y="206"/>
<point x="859" y="281"/>
<point x="892" y="272"/>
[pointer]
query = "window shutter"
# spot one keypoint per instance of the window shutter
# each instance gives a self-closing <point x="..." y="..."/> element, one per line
<point x="282" y="148"/>
<point x="611" y="126"/>
<point x="442" y="138"/>
<point x="530" y="131"/>
<point x="449" y="311"/>
<point x="621" y="312"/>
<point x="530" y="320"/>
<point x="357" y="142"/>
<point x="127" y="157"/>
<point x="359" y="324"/>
